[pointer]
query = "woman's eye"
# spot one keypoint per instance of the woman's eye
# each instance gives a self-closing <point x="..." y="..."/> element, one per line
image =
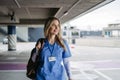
<point x="53" y="25"/>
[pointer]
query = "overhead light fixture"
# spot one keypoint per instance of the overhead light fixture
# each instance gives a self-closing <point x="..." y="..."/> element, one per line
<point x="65" y="13"/>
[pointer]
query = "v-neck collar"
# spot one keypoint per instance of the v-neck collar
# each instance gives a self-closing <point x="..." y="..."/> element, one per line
<point x="49" y="47"/>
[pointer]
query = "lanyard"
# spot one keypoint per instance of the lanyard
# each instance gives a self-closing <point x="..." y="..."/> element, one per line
<point x="51" y="50"/>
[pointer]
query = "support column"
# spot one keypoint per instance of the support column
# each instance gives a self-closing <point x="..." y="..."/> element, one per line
<point x="11" y="38"/>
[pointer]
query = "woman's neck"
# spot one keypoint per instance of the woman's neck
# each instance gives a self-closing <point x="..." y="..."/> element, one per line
<point x="51" y="39"/>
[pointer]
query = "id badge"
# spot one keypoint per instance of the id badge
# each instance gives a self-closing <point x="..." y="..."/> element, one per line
<point x="52" y="58"/>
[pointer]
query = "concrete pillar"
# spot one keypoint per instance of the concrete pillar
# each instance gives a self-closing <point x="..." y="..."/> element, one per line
<point x="11" y="38"/>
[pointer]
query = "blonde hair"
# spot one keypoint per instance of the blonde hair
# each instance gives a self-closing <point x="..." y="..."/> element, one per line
<point x="58" y="37"/>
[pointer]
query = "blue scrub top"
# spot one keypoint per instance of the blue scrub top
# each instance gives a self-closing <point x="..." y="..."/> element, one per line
<point x="52" y="70"/>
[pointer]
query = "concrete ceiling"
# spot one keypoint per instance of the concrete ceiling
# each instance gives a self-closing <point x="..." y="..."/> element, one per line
<point x="36" y="11"/>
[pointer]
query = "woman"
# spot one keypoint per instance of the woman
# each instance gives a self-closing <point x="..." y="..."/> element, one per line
<point x="55" y="53"/>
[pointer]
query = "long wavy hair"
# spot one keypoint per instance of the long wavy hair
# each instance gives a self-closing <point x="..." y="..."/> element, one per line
<point x="58" y="37"/>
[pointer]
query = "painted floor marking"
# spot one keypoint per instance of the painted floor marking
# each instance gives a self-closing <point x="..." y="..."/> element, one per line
<point x="103" y="75"/>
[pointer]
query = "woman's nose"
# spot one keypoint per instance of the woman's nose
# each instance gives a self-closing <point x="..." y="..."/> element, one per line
<point x="56" y="27"/>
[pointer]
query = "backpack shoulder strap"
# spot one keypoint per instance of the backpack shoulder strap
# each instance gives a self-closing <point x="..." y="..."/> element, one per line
<point x="42" y="42"/>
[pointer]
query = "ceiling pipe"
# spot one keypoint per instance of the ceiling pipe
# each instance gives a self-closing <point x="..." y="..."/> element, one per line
<point x="28" y="12"/>
<point x="17" y="3"/>
<point x="66" y="12"/>
<point x="58" y="11"/>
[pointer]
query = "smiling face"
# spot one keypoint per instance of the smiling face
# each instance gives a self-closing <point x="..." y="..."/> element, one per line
<point x="54" y="27"/>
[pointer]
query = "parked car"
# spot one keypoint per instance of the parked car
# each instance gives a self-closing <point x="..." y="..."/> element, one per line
<point x="5" y="40"/>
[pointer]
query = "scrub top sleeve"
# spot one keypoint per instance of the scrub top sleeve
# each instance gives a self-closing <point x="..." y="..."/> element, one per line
<point x="66" y="53"/>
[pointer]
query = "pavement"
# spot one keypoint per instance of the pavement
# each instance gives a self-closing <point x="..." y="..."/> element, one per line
<point x="87" y="62"/>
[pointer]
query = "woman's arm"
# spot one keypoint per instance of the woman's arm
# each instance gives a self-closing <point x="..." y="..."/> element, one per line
<point x="67" y="68"/>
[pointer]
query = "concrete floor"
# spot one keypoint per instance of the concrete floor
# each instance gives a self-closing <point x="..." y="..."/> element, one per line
<point x="87" y="63"/>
